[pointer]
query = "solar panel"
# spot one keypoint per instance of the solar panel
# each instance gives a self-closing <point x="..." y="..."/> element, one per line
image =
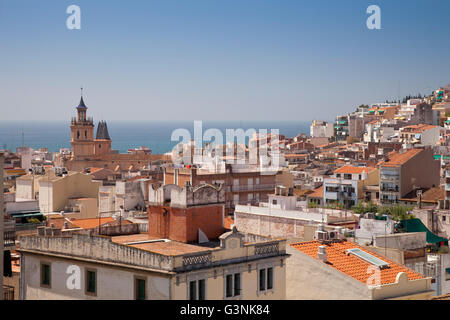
<point x="368" y="257"/>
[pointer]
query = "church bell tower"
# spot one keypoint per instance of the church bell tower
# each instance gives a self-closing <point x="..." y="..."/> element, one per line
<point x="82" y="132"/>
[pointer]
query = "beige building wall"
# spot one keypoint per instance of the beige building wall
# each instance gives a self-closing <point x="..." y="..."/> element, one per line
<point x="285" y="178"/>
<point x="87" y="207"/>
<point x="113" y="283"/>
<point x="54" y="194"/>
<point x="215" y="281"/>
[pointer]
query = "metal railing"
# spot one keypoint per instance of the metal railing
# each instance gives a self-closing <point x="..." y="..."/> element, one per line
<point x="255" y="187"/>
<point x="10" y="238"/>
<point x="8" y="292"/>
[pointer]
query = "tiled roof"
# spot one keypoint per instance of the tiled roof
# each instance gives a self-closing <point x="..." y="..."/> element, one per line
<point x="432" y="195"/>
<point x="350" y="264"/>
<point x="418" y="128"/>
<point x="91" y="223"/>
<point x="396" y="158"/>
<point x="228" y="221"/>
<point x="353" y="170"/>
<point x="317" y="193"/>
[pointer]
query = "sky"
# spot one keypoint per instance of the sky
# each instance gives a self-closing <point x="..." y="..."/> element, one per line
<point x="216" y="59"/>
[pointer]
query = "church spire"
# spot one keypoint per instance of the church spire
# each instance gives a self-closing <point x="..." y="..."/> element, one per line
<point x="82" y="105"/>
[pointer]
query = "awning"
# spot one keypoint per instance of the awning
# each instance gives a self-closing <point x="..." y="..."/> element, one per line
<point x="27" y="215"/>
<point x="416" y="225"/>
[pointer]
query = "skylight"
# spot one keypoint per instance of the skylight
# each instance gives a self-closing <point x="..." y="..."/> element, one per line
<point x="368" y="257"/>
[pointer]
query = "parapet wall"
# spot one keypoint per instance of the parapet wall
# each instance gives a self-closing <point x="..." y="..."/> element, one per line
<point x="96" y="248"/>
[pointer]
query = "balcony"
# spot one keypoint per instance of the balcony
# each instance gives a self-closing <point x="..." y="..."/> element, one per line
<point x="10" y="233"/>
<point x="8" y="292"/>
<point x="392" y="178"/>
<point x="389" y="189"/>
<point x="256" y="187"/>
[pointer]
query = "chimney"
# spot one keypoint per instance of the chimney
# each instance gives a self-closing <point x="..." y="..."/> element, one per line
<point x="322" y="254"/>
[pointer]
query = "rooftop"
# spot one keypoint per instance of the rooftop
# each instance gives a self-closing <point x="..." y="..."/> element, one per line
<point x="397" y="159"/>
<point x="350" y="264"/>
<point x="353" y="170"/>
<point x="418" y="128"/>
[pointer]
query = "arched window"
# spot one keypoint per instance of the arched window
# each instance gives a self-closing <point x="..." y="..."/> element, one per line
<point x="78" y="134"/>
<point x="99" y="146"/>
<point x="85" y="133"/>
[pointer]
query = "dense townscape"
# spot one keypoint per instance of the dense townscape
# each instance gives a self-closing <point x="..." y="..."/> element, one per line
<point x="356" y="209"/>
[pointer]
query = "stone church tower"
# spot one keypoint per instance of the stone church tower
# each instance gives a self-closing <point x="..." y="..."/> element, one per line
<point x="82" y="133"/>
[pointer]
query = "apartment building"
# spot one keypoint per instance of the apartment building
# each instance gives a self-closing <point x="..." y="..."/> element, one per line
<point x="165" y="264"/>
<point x="321" y="129"/>
<point x="347" y="184"/>
<point x="407" y="170"/>
<point x="341" y="128"/>
<point x="419" y="135"/>
<point x="246" y="184"/>
<point x="59" y="191"/>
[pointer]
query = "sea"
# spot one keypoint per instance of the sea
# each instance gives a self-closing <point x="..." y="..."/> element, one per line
<point x="157" y="135"/>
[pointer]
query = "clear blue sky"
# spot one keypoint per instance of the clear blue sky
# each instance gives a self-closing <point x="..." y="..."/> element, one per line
<point x="217" y="60"/>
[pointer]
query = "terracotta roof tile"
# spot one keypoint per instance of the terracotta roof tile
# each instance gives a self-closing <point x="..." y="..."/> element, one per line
<point x="317" y="193"/>
<point x="350" y="264"/>
<point x="396" y="158"/>
<point x="91" y="222"/>
<point x="353" y="170"/>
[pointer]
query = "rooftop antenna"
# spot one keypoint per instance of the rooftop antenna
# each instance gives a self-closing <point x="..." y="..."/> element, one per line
<point x="81" y="91"/>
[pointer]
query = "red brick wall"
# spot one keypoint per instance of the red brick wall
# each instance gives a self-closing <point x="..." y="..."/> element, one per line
<point x="182" y="224"/>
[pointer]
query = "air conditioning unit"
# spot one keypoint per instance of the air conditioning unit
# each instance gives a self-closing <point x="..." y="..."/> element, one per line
<point x="333" y="235"/>
<point x="322" y="235"/>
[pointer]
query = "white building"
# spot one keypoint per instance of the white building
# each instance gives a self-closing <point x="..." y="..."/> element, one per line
<point x="321" y="129"/>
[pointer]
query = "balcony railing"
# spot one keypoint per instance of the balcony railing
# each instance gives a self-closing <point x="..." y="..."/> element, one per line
<point x="197" y="259"/>
<point x="8" y="292"/>
<point x="267" y="249"/>
<point x="389" y="189"/>
<point x="10" y="238"/>
<point x="256" y="187"/>
<point x="389" y="178"/>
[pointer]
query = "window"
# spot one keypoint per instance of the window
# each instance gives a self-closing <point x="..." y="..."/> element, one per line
<point x="274" y="201"/>
<point x="197" y="290"/>
<point x="233" y="285"/>
<point x="45" y="275"/>
<point x="265" y="279"/>
<point x="201" y="290"/>
<point x="262" y="279"/>
<point x="229" y="284"/>
<point x="91" y="282"/>
<point x="140" y="289"/>
<point x="193" y="290"/>
<point x="269" y="278"/>
<point x="443" y="218"/>
<point x="338" y="175"/>
<point x="237" y="284"/>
